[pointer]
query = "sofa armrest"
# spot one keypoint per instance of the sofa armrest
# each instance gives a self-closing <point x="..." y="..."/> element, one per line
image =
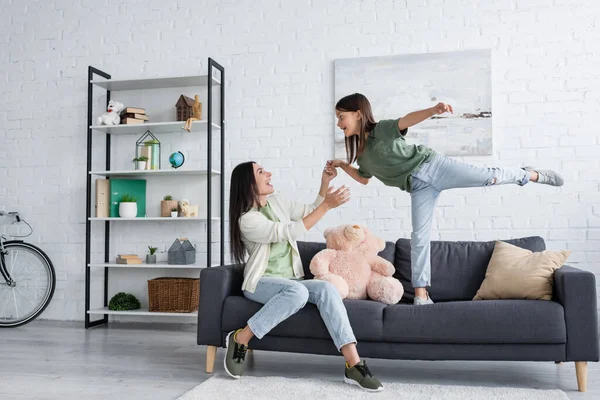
<point x="575" y="289"/>
<point x="216" y="284"/>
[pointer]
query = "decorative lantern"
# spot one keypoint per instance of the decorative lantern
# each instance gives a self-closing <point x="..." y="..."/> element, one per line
<point x="149" y="146"/>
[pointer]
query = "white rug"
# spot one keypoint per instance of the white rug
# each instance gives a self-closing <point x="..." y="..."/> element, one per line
<point x="261" y="388"/>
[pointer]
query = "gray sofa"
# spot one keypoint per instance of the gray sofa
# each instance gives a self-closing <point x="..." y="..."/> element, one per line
<point x="454" y="328"/>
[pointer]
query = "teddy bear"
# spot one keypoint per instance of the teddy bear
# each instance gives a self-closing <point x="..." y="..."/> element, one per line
<point x="352" y="264"/>
<point x="111" y="116"/>
<point x="184" y="207"/>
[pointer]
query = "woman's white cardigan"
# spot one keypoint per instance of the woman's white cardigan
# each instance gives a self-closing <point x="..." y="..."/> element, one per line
<point x="258" y="232"/>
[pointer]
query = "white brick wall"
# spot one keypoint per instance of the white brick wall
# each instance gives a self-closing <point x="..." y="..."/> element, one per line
<point x="279" y="62"/>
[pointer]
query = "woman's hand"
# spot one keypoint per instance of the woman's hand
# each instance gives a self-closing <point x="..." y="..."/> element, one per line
<point x="329" y="173"/>
<point x="337" y="198"/>
<point x="441" y="108"/>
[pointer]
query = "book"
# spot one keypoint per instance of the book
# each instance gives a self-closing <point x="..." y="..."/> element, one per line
<point x="127" y="256"/>
<point x="131" y="121"/>
<point x="134" y="187"/>
<point x="132" y="110"/>
<point x="102" y="197"/>
<point x="129" y="261"/>
<point x="136" y="116"/>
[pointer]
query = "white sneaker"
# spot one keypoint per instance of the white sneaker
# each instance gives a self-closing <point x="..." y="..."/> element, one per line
<point x="547" y="176"/>
<point x="421" y="302"/>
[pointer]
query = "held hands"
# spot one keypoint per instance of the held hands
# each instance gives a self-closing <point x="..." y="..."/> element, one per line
<point x="328" y="174"/>
<point x="337" y="198"/>
<point x="332" y="164"/>
<point x="441" y="108"/>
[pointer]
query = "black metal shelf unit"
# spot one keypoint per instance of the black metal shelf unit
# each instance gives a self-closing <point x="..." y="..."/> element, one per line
<point x="214" y="69"/>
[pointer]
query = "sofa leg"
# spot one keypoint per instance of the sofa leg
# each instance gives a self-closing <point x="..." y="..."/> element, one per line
<point x="558" y="362"/>
<point x="581" y="371"/>
<point x="211" y="353"/>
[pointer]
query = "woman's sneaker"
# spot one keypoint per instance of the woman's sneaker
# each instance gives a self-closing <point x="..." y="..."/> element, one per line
<point x="235" y="356"/>
<point x="360" y="376"/>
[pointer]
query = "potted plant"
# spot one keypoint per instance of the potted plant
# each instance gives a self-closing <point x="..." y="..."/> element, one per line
<point x="124" y="302"/>
<point x="151" y="258"/>
<point x="174" y="212"/>
<point x="140" y="162"/>
<point x="128" y="206"/>
<point x="166" y="205"/>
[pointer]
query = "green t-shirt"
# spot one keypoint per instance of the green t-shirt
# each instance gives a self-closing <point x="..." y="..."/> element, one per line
<point x="280" y="253"/>
<point x="389" y="158"/>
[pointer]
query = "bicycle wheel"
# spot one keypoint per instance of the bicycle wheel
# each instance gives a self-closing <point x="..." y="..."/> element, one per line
<point x="34" y="281"/>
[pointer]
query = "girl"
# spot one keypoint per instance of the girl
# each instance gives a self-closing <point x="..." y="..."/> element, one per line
<point x="380" y="150"/>
<point x="273" y="275"/>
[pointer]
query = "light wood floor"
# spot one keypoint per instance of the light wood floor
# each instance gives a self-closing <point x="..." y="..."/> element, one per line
<point x="62" y="360"/>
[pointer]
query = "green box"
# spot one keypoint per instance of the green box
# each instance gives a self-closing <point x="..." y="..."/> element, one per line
<point x="134" y="187"/>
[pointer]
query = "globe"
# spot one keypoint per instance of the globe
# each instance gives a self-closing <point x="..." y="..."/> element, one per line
<point x="176" y="159"/>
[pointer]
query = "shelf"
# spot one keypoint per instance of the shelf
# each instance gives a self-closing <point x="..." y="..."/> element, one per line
<point x="142" y="312"/>
<point x="145" y="266"/>
<point x="165" y="219"/>
<point x="153" y="83"/>
<point x="151" y="89"/>
<point x="154" y="127"/>
<point x="156" y="172"/>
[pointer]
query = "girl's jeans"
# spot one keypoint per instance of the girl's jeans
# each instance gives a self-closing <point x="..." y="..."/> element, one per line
<point x="442" y="173"/>
<point x="284" y="297"/>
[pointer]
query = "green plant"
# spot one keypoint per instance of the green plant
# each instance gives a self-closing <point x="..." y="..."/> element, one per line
<point x="123" y="302"/>
<point x="168" y="197"/>
<point x="141" y="158"/>
<point x="152" y="249"/>
<point x="127" y="198"/>
<point x="173" y="209"/>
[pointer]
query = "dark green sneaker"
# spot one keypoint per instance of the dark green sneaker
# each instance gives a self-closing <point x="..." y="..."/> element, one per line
<point x="235" y="356"/>
<point x="360" y="376"/>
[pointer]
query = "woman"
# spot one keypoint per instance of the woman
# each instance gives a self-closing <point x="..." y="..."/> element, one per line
<point x="380" y="150"/>
<point x="266" y="226"/>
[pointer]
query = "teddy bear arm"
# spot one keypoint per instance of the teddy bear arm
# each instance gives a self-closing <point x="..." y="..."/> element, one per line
<point x="319" y="265"/>
<point x="382" y="266"/>
<point x="340" y="283"/>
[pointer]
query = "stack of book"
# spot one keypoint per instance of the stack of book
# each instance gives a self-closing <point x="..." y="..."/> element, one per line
<point x="128" y="259"/>
<point x="133" y="115"/>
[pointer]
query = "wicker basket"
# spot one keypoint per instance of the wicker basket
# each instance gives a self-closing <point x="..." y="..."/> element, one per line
<point x="177" y="295"/>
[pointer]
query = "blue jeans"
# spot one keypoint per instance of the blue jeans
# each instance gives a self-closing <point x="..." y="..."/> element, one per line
<point x="442" y="173"/>
<point x="284" y="297"/>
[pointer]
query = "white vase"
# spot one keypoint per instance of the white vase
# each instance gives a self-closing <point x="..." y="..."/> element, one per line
<point x="140" y="165"/>
<point x="127" y="210"/>
<point x="173" y="214"/>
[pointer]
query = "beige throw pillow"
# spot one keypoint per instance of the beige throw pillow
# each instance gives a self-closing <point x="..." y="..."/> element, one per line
<point x="516" y="273"/>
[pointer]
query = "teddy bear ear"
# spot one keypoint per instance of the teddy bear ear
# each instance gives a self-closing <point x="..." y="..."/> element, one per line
<point x="327" y="232"/>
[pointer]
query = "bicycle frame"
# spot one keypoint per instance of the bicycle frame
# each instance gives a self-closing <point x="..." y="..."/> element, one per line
<point x="3" y="269"/>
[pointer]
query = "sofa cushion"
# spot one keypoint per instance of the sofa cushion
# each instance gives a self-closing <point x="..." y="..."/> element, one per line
<point x="457" y="268"/>
<point x="309" y="249"/>
<point x="516" y="273"/>
<point x="366" y="318"/>
<point x="478" y="322"/>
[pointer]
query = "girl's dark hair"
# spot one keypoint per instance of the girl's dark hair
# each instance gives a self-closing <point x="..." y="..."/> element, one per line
<point x="243" y="194"/>
<point x="355" y="144"/>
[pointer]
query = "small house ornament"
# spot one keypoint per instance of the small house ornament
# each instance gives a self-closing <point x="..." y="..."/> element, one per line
<point x="189" y="110"/>
<point x="181" y="252"/>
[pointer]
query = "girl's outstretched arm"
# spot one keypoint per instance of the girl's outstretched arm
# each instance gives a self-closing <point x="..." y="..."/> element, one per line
<point x="349" y="169"/>
<point x="416" y="117"/>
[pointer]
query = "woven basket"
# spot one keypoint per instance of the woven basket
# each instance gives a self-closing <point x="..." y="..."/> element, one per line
<point x="177" y="295"/>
